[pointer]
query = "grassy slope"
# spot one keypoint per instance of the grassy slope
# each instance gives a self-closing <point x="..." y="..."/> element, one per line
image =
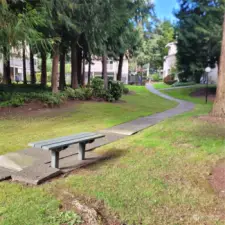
<point x="21" y="205"/>
<point x="159" y="176"/>
<point x="91" y="116"/>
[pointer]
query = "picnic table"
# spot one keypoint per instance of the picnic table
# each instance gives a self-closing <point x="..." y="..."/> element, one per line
<point x="57" y="145"/>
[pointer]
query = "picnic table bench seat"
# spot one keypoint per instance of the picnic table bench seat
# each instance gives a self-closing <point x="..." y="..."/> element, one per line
<point x="57" y="145"/>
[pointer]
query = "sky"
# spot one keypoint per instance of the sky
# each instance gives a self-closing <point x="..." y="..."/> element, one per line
<point x="164" y="8"/>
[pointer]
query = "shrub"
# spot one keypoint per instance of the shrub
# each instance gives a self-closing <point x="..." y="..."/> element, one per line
<point x="169" y="80"/>
<point x="18" y="99"/>
<point x="115" y="89"/>
<point x="70" y="92"/>
<point x="80" y="93"/>
<point x="155" y="77"/>
<point x="108" y="96"/>
<point x="126" y="90"/>
<point x="88" y="93"/>
<point x="97" y="84"/>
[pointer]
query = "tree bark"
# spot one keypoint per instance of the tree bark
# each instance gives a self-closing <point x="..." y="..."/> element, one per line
<point x="74" y="79"/>
<point x="83" y="72"/>
<point x="24" y="65"/>
<point x="104" y="70"/>
<point x="219" y="104"/>
<point x="6" y="67"/>
<point x="89" y="72"/>
<point x="55" y="68"/>
<point x="43" y="69"/>
<point x="32" y="70"/>
<point x="79" y="64"/>
<point x="120" y="67"/>
<point x="62" y="77"/>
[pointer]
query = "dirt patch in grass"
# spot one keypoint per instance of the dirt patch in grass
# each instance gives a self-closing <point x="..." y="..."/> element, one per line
<point x="217" y="178"/>
<point x="92" y="211"/>
<point x="213" y="119"/>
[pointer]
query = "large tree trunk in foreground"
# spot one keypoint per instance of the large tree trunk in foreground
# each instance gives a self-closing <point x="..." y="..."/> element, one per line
<point x="104" y="70"/>
<point x="24" y="65"/>
<point x="43" y="69"/>
<point x="219" y="104"/>
<point x="6" y="67"/>
<point x="74" y="79"/>
<point x="32" y="70"/>
<point x="62" y="77"/>
<point x="55" y="68"/>
<point x="120" y="67"/>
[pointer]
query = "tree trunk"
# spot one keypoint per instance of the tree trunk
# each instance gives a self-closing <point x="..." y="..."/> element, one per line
<point x="79" y="65"/>
<point x="89" y="72"/>
<point x="32" y="70"/>
<point x="55" y="68"/>
<point x="24" y="65"/>
<point x="219" y="104"/>
<point x="6" y="67"/>
<point x="120" y="67"/>
<point x="62" y="77"/>
<point x="74" y="79"/>
<point x="104" y="70"/>
<point x="43" y="69"/>
<point x="83" y="72"/>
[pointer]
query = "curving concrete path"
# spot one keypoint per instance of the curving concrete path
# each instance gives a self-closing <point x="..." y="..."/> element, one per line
<point x="33" y="165"/>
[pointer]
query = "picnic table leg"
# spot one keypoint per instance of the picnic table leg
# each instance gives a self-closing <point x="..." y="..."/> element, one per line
<point x="55" y="159"/>
<point x="81" y="151"/>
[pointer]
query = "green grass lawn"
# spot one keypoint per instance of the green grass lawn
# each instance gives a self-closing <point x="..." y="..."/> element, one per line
<point x="17" y="132"/>
<point x="159" y="176"/>
<point x="161" y="85"/>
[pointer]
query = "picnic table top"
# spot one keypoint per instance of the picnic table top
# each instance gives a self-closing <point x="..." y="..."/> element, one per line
<point x="61" y="142"/>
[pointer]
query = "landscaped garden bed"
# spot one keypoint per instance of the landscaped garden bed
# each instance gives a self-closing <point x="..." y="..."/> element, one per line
<point x="19" y="95"/>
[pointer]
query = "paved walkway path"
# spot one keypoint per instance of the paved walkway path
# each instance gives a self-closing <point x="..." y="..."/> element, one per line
<point x="33" y="165"/>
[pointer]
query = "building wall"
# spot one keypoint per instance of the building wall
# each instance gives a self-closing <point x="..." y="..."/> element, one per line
<point x="16" y="65"/>
<point x="170" y="60"/>
<point x="213" y="75"/>
<point x="112" y="69"/>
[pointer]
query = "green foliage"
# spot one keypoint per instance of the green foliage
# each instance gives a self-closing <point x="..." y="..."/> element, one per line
<point x="126" y="90"/>
<point x="115" y="89"/>
<point x="199" y="30"/>
<point x="19" y="98"/>
<point x="98" y="87"/>
<point x="156" y="77"/>
<point x="68" y="217"/>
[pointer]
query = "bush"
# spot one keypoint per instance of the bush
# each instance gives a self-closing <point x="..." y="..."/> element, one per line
<point x="115" y="89"/>
<point x="126" y="90"/>
<point x="88" y="93"/>
<point x="97" y="84"/>
<point x="180" y="84"/>
<point x="18" y="99"/>
<point x="80" y="93"/>
<point x="155" y="77"/>
<point x="169" y="80"/>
